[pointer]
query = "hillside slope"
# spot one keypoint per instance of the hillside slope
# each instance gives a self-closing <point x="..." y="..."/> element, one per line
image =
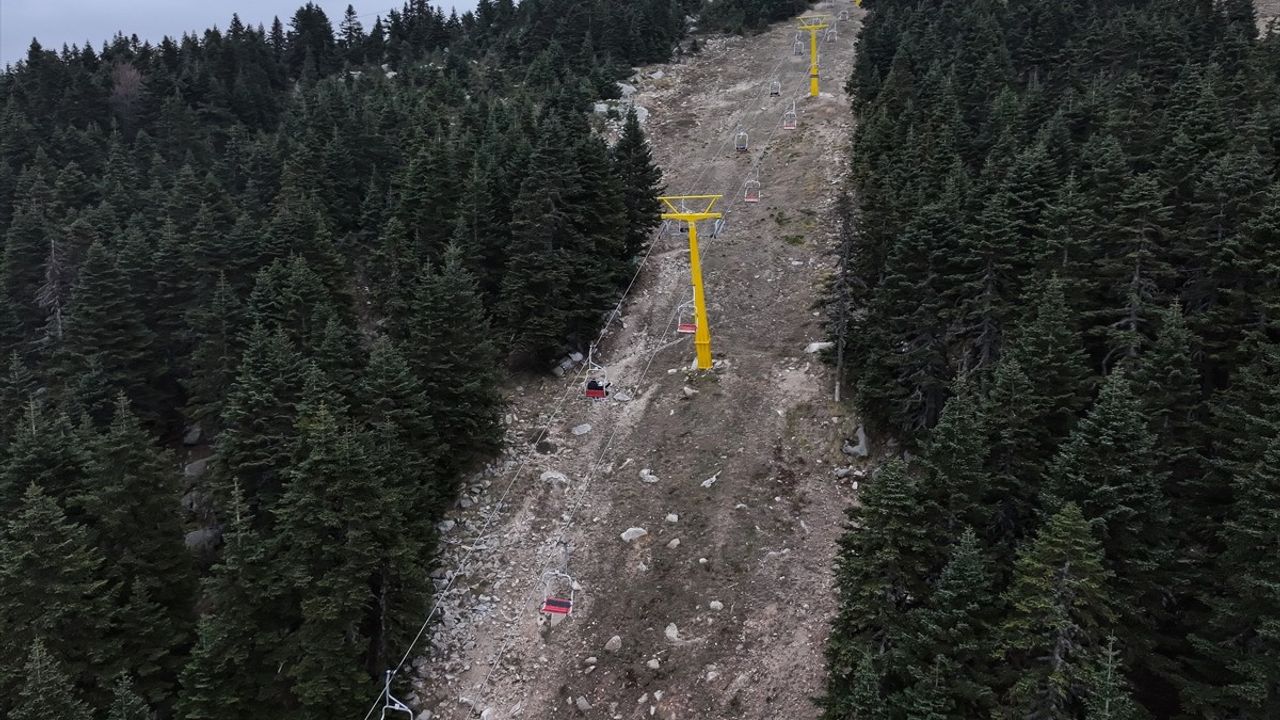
<point x="757" y="543"/>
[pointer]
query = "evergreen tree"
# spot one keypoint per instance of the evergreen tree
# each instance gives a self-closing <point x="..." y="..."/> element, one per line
<point x="131" y="503"/>
<point x="1239" y="640"/>
<point x="55" y="591"/>
<point x="641" y="184"/>
<point x="326" y="517"/>
<point x="46" y="693"/>
<point x="104" y="326"/>
<point x="1108" y="470"/>
<point x="125" y="703"/>
<point x="955" y="630"/>
<point x="451" y="351"/>
<point x="1109" y="696"/>
<point x="1060" y="608"/>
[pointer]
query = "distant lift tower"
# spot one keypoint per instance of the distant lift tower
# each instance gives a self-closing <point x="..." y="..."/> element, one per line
<point x="813" y="23"/>
<point x="677" y="206"/>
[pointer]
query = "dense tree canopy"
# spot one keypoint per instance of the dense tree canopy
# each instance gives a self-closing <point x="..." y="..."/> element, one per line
<point x="298" y="259"/>
<point x="1061" y="300"/>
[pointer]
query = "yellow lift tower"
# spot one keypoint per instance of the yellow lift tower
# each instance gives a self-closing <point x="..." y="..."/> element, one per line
<point x="677" y="205"/>
<point x="813" y="23"/>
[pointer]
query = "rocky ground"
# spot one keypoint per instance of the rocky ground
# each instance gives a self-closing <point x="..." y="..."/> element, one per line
<point x="1268" y="10"/>
<point x="696" y="513"/>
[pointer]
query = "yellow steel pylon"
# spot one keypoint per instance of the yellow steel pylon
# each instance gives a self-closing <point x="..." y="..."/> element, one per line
<point x="677" y="204"/>
<point x="813" y="23"/>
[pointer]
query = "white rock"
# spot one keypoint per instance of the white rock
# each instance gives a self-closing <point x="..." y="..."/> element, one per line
<point x="653" y="663"/>
<point x="711" y="480"/>
<point x="601" y="108"/>
<point x="424" y="715"/>
<point x="582" y="429"/>
<point x="582" y="703"/>
<point x="445" y="526"/>
<point x="688" y="391"/>
<point x="591" y="660"/>
<point x="672" y="632"/>
<point x="555" y="478"/>
<point x="716" y="605"/>
<point x="817" y="347"/>
<point x="626" y="90"/>
<point x="672" y="518"/>
<point x="614" y="644"/>
<point x="647" y="475"/>
<point x="862" y="449"/>
<point x="675" y="543"/>
<point x="634" y="533"/>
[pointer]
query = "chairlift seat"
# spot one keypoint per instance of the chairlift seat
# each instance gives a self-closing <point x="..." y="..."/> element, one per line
<point x="599" y="394"/>
<point x="687" y="328"/>
<point x="557" y="606"/>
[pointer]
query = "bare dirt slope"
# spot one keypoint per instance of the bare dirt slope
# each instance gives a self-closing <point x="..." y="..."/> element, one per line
<point x="1268" y="10"/>
<point x="722" y="607"/>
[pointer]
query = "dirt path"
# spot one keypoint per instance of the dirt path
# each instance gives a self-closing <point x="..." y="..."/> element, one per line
<point x="722" y="607"/>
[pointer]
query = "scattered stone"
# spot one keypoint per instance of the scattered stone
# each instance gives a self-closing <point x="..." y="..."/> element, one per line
<point x="195" y="469"/>
<point x="554" y="478"/>
<point x="445" y="526"/>
<point x="657" y="74"/>
<point x="626" y="90"/>
<point x="600" y="108"/>
<point x="675" y="543"/>
<point x="711" y="480"/>
<point x="614" y="644"/>
<point x="635" y="533"/>
<point x="582" y="703"/>
<point x="672" y="632"/>
<point x="712" y="675"/>
<point x="673" y="518"/>
<point x="591" y="660"/>
<point x="192" y="435"/>
<point x="424" y="715"/>
<point x="465" y="502"/>
<point x="716" y="605"/>
<point x="817" y="347"/>
<point x="843" y="472"/>
<point x="647" y="475"/>
<point x="582" y="429"/>
<point x="688" y="391"/>
<point x="203" y="539"/>
<point x="621" y="396"/>
<point x="653" y="664"/>
<point x="489" y="714"/>
<point x="861" y="449"/>
<point x="575" y="356"/>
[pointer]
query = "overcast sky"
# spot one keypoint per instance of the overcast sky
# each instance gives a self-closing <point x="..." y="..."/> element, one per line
<point x="55" y="22"/>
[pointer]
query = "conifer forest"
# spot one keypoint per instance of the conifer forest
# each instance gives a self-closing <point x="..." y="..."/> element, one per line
<point x="1057" y="291"/>
<point x="264" y="291"/>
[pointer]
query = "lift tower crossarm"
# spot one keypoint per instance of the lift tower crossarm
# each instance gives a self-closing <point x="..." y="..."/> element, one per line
<point x="677" y="206"/>
<point x="813" y="23"/>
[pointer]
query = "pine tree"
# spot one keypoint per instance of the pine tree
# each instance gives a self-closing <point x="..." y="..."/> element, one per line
<point x="47" y="693"/>
<point x="132" y="509"/>
<point x="1239" y="641"/>
<point x="219" y="326"/>
<point x="451" y="351"/>
<point x="325" y="544"/>
<point x="1060" y="608"/>
<point x="48" y="451"/>
<point x="1108" y="470"/>
<point x="641" y="184"/>
<point x="233" y="668"/>
<point x="125" y="703"/>
<point x="955" y="462"/>
<point x="54" y="590"/>
<point x="1109" y="696"/>
<point x="1049" y="349"/>
<point x="886" y="558"/>
<point x="103" y="325"/>
<point x="954" y="630"/>
<point x="258" y="419"/>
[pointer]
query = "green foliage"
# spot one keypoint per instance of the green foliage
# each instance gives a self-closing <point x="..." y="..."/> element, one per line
<point x="46" y="694"/>
<point x="1072" y="208"/>
<point x="1059" y="613"/>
